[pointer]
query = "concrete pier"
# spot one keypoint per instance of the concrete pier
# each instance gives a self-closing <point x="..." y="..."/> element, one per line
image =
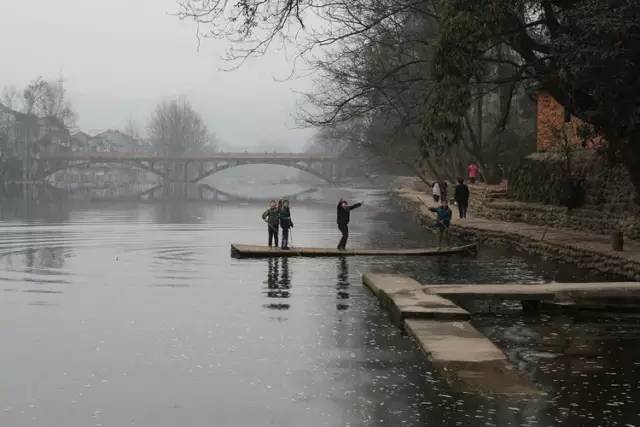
<point x="537" y="292"/>
<point x="467" y="359"/>
<point x="405" y="298"/>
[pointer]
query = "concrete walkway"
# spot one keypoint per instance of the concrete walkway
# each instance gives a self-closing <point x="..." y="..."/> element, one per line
<point x="468" y="360"/>
<point x="567" y="245"/>
<point x="535" y="292"/>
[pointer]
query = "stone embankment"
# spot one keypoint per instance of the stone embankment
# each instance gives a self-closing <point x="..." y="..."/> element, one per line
<point x="585" y="249"/>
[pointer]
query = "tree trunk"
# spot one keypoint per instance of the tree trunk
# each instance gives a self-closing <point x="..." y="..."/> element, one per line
<point x="631" y="159"/>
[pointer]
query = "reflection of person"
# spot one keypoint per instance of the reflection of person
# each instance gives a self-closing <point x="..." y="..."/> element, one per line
<point x="272" y="277"/>
<point x="285" y="223"/>
<point x="462" y="197"/>
<point x="272" y="217"/>
<point x="344" y="214"/>
<point x="285" y="280"/>
<point x="278" y="282"/>
<point x="342" y="285"/>
<point x="443" y="220"/>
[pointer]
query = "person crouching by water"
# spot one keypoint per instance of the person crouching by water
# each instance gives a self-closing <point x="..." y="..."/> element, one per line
<point x="285" y="223"/>
<point x="272" y="217"/>
<point x="443" y="221"/>
<point x="344" y="213"/>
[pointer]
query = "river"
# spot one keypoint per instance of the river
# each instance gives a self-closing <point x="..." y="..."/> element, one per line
<point x="135" y="315"/>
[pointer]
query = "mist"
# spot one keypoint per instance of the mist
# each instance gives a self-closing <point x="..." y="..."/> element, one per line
<point x="120" y="58"/>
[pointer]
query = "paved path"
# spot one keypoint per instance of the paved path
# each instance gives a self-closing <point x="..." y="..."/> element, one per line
<point x="562" y="238"/>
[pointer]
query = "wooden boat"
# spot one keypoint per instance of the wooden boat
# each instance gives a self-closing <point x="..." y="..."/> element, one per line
<point x="255" y="251"/>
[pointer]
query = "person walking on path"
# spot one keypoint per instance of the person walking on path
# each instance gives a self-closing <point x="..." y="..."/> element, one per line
<point x="285" y="223"/>
<point x="461" y="197"/>
<point x="272" y="217"/>
<point x="435" y="191"/>
<point x="443" y="221"/>
<point x="472" y="171"/>
<point x="344" y="214"/>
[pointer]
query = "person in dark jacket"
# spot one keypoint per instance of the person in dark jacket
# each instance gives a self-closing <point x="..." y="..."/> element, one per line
<point x="272" y="217"/>
<point x="462" y="197"/>
<point x="285" y="223"/>
<point x="444" y="190"/>
<point x="443" y="221"/>
<point x="344" y="214"/>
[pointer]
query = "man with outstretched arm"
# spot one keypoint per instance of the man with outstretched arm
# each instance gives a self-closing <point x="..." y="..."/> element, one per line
<point x="443" y="221"/>
<point x="344" y="213"/>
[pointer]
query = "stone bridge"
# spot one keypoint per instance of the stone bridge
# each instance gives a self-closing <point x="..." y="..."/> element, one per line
<point x="178" y="172"/>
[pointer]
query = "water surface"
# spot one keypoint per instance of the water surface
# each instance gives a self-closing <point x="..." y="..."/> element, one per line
<point x="135" y="315"/>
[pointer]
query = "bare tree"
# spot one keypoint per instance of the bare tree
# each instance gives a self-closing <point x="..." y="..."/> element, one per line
<point x="49" y="99"/>
<point x="11" y="97"/>
<point x="42" y="98"/>
<point x="132" y="129"/>
<point x="176" y="128"/>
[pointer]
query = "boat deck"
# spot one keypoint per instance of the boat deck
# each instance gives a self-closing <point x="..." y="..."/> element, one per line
<point x="242" y="251"/>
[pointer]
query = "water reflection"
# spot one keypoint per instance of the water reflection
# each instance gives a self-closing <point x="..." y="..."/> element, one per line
<point x="342" y="285"/>
<point x="278" y="283"/>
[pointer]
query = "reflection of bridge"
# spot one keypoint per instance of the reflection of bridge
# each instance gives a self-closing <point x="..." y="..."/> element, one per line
<point x="177" y="172"/>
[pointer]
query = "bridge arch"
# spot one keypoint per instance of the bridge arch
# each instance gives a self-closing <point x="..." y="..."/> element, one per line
<point x="301" y="166"/>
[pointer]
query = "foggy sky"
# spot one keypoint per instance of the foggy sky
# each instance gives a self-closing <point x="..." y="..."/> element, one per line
<point x="120" y="57"/>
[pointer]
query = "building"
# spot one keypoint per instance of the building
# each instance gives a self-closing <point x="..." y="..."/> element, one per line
<point x="40" y="134"/>
<point x="113" y="140"/>
<point x="553" y="120"/>
<point x="80" y="141"/>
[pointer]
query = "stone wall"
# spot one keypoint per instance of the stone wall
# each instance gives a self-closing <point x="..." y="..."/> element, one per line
<point x="587" y="220"/>
<point x="538" y="180"/>
<point x="534" y="192"/>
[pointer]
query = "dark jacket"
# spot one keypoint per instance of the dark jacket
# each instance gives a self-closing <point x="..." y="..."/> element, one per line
<point x="444" y="190"/>
<point x="462" y="194"/>
<point x="443" y="216"/>
<point x="272" y="215"/>
<point x="285" y="218"/>
<point x="344" y="213"/>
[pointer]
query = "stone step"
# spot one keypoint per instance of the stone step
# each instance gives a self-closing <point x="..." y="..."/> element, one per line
<point x="467" y="359"/>
<point x="404" y="298"/>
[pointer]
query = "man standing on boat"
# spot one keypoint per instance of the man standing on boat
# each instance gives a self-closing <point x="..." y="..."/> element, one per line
<point x="443" y="221"/>
<point x="272" y="217"/>
<point x="344" y="213"/>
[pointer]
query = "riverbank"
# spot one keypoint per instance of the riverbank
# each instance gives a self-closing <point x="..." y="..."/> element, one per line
<point x="586" y="250"/>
